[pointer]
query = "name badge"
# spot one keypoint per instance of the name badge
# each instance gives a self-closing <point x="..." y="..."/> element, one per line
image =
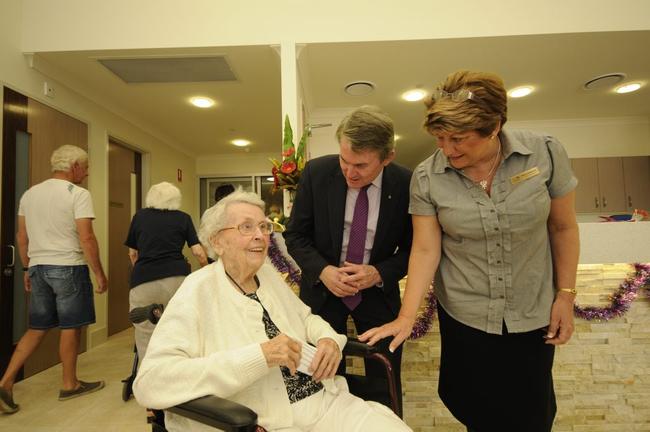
<point x="524" y="175"/>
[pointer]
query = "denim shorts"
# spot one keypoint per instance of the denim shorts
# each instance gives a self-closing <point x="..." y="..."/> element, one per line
<point x="62" y="296"/>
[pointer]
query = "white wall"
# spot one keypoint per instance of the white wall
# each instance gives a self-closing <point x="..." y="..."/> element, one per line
<point x="226" y="165"/>
<point x="596" y="137"/>
<point x="593" y="137"/>
<point x="164" y="160"/>
<point x="100" y="24"/>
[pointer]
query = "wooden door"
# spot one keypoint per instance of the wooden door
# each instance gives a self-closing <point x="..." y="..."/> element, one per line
<point x="587" y="191"/>
<point x="636" y="173"/>
<point x="612" y="186"/>
<point x="121" y="194"/>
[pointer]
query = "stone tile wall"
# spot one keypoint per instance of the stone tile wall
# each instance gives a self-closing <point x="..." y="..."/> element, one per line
<point x="602" y="377"/>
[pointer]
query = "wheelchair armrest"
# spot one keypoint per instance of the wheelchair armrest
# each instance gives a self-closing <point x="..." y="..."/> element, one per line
<point x="219" y="413"/>
<point x="361" y="349"/>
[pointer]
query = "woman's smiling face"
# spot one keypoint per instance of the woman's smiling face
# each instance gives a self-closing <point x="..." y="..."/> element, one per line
<point x="246" y="252"/>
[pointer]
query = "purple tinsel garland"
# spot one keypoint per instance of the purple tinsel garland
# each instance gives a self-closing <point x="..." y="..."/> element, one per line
<point x="621" y="299"/>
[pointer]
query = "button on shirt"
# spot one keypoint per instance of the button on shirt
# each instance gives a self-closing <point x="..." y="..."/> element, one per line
<point x="496" y="263"/>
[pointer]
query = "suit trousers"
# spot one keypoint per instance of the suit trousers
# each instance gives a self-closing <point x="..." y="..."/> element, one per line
<point x="373" y="311"/>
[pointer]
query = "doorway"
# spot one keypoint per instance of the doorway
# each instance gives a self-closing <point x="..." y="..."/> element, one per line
<point x="124" y="199"/>
<point x="31" y="131"/>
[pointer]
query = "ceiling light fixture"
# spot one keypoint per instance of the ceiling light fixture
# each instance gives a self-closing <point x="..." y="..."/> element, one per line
<point x="397" y="137"/>
<point x="202" y="102"/>
<point x="518" y="92"/>
<point x="414" y="95"/>
<point x="359" y="88"/>
<point x="628" y="88"/>
<point x="240" y="142"/>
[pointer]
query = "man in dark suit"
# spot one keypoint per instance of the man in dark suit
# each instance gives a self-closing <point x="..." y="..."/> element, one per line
<point x="324" y="229"/>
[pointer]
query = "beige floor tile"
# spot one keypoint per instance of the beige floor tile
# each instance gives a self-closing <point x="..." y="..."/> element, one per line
<point x="103" y="411"/>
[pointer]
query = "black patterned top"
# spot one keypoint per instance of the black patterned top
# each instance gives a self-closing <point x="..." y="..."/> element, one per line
<point x="300" y="385"/>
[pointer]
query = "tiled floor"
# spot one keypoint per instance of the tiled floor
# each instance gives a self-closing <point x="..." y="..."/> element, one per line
<point x="104" y="411"/>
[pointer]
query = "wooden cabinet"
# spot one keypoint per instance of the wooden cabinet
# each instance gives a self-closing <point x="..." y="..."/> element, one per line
<point x="636" y="172"/>
<point x="610" y="185"/>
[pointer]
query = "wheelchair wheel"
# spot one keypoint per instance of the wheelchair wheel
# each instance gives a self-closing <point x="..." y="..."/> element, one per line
<point x="127" y="388"/>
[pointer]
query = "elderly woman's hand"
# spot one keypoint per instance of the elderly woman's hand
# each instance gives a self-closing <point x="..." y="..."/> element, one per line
<point x="326" y="360"/>
<point x="282" y="351"/>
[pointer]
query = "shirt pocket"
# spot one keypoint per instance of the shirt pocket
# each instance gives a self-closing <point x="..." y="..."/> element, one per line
<point x="527" y="206"/>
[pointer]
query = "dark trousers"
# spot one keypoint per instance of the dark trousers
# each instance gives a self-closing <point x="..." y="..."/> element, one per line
<point x="373" y="311"/>
<point x="493" y="382"/>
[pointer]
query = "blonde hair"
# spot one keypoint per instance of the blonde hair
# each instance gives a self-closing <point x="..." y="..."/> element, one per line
<point x="65" y="156"/>
<point x="368" y="128"/>
<point x="482" y="112"/>
<point x="164" y="196"/>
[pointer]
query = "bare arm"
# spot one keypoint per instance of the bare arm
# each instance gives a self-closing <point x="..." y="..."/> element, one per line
<point x="423" y="262"/>
<point x="565" y="249"/>
<point x="133" y="256"/>
<point x="23" y="246"/>
<point x="199" y="254"/>
<point x="90" y="248"/>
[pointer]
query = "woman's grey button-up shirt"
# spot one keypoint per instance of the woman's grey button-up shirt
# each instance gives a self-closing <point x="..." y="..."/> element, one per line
<point x="496" y="260"/>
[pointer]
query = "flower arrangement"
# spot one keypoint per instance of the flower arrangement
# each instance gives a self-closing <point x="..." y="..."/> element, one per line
<point x="286" y="173"/>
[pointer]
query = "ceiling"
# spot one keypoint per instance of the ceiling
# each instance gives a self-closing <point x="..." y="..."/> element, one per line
<point x="250" y="108"/>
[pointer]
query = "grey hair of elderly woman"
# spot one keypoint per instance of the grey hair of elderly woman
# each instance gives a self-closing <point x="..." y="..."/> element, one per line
<point x="163" y="196"/>
<point x="216" y="217"/>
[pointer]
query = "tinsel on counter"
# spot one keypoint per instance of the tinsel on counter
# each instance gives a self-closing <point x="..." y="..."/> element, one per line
<point x="620" y="300"/>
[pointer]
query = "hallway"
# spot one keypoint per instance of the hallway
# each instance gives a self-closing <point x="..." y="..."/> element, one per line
<point x="104" y="411"/>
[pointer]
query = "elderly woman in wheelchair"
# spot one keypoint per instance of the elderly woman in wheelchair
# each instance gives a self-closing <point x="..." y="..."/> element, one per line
<point x="235" y="330"/>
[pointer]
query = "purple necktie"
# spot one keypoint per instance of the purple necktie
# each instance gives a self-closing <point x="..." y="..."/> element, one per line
<point x="357" y="241"/>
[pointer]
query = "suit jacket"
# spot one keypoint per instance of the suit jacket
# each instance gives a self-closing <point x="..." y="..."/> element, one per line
<point x="315" y="230"/>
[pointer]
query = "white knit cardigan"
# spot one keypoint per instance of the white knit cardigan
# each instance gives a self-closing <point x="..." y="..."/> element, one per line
<point x="208" y="343"/>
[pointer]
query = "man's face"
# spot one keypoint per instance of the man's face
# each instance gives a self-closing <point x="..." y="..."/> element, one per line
<point x="79" y="172"/>
<point x="362" y="167"/>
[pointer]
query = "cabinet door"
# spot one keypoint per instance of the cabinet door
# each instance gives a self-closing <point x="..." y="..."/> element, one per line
<point x="612" y="186"/>
<point x="587" y="192"/>
<point x="636" y="172"/>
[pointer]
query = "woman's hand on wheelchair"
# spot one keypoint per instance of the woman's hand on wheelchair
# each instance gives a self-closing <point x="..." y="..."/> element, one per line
<point x="400" y="329"/>
<point x="326" y="360"/>
<point x="282" y="351"/>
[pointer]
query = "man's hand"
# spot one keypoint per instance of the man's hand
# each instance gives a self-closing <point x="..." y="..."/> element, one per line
<point x="27" y="282"/>
<point x="561" y="327"/>
<point x="282" y="351"/>
<point x="332" y="278"/>
<point x="326" y="360"/>
<point x="361" y="276"/>
<point x="102" y="283"/>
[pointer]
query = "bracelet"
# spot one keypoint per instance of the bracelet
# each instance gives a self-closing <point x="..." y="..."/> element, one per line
<point x="569" y="290"/>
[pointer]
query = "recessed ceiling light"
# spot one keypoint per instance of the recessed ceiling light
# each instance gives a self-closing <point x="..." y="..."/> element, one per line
<point x="359" y="88"/>
<point x="628" y="88"/>
<point x="202" y="102"/>
<point x="414" y="95"/>
<point x="240" y="142"/>
<point x="397" y="137"/>
<point x="518" y="92"/>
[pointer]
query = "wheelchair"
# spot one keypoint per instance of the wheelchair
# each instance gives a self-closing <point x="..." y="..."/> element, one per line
<point x="230" y="416"/>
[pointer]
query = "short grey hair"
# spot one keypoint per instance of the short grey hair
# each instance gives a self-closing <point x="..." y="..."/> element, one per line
<point x="216" y="217"/>
<point x="164" y="196"/>
<point x="65" y="156"/>
<point x="368" y="128"/>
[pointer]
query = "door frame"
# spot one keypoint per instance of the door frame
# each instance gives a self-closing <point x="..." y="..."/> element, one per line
<point x="14" y="119"/>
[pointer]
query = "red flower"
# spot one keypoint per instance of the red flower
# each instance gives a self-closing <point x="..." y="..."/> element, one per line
<point x="288" y="167"/>
<point x="288" y="152"/>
